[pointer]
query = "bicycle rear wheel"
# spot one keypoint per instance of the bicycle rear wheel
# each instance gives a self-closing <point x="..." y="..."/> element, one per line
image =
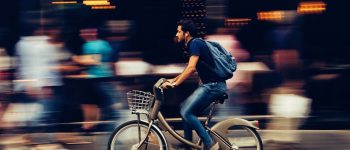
<point x="245" y="138"/>
<point x="126" y="137"/>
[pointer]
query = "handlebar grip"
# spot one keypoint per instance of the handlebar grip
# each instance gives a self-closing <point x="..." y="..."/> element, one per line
<point x="159" y="96"/>
<point x="159" y="83"/>
<point x="158" y="91"/>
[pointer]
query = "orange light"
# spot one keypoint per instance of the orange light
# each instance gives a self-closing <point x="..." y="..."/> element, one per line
<point x="103" y="7"/>
<point x="230" y="22"/>
<point x="98" y="2"/>
<point x="64" y="2"/>
<point x="271" y="15"/>
<point x="311" y="7"/>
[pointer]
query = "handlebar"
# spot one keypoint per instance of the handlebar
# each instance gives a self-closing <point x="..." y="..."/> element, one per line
<point x="158" y="90"/>
<point x="159" y="98"/>
<point x="159" y="83"/>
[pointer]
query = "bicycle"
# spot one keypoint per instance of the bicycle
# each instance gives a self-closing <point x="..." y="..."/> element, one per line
<point x="147" y="134"/>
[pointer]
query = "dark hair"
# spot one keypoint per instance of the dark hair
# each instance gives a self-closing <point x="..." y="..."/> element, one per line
<point x="188" y="25"/>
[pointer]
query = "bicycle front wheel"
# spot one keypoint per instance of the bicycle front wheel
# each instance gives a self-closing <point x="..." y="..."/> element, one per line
<point x="126" y="137"/>
<point x="245" y="138"/>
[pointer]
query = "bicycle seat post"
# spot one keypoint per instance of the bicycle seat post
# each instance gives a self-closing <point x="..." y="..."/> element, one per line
<point x="210" y="115"/>
<point x="220" y="99"/>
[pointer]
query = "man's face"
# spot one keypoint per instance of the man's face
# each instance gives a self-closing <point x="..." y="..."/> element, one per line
<point x="180" y="35"/>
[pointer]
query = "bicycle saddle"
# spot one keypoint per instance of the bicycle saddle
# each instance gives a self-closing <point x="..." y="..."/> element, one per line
<point x="221" y="99"/>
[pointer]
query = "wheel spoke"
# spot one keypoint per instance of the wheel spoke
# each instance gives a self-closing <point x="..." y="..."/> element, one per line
<point x="244" y="138"/>
<point x="126" y="138"/>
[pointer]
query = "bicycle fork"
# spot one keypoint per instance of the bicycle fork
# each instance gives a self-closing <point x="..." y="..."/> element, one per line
<point x="141" y="142"/>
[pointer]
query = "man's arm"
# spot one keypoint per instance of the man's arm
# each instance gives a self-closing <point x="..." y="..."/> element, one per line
<point x="191" y="68"/>
<point x="88" y="60"/>
<point x="173" y="79"/>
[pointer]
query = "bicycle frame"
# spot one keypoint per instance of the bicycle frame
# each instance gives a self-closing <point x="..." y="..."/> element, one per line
<point x="217" y="131"/>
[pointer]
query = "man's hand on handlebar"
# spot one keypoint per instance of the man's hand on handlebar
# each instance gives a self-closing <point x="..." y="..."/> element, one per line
<point x="170" y="80"/>
<point x="168" y="84"/>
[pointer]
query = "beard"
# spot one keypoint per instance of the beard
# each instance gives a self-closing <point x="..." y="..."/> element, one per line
<point x="180" y="43"/>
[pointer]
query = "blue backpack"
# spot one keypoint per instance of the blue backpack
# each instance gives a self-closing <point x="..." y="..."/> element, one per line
<point x="224" y="63"/>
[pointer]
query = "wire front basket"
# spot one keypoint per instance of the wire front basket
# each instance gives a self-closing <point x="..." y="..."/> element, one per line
<point x="139" y="101"/>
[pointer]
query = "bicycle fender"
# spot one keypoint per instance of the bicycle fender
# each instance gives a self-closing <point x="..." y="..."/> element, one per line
<point x="225" y="124"/>
<point x="161" y="133"/>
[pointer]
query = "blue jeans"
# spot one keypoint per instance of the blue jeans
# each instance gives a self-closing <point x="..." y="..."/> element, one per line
<point x="198" y="101"/>
<point x="52" y="106"/>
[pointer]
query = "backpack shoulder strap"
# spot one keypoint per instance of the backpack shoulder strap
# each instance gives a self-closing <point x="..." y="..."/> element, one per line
<point x="201" y="61"/>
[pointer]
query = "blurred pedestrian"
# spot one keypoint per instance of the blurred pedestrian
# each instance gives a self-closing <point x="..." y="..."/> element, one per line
<point x="37" y="76"/>
<point x="96" y="90"/>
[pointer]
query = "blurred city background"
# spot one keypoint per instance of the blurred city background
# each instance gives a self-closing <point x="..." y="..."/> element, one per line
<point x="293" y="67"/>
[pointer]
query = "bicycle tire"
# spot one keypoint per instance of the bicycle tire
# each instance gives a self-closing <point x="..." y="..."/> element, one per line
<point x="244" y="137"/>
<point x="125" y="137"/>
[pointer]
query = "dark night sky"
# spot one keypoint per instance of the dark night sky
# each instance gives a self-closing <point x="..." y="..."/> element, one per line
<point x="155" y="22"/>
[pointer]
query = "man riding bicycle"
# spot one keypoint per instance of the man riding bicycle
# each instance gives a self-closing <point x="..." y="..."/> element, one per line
<point x="211" y="86"/>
